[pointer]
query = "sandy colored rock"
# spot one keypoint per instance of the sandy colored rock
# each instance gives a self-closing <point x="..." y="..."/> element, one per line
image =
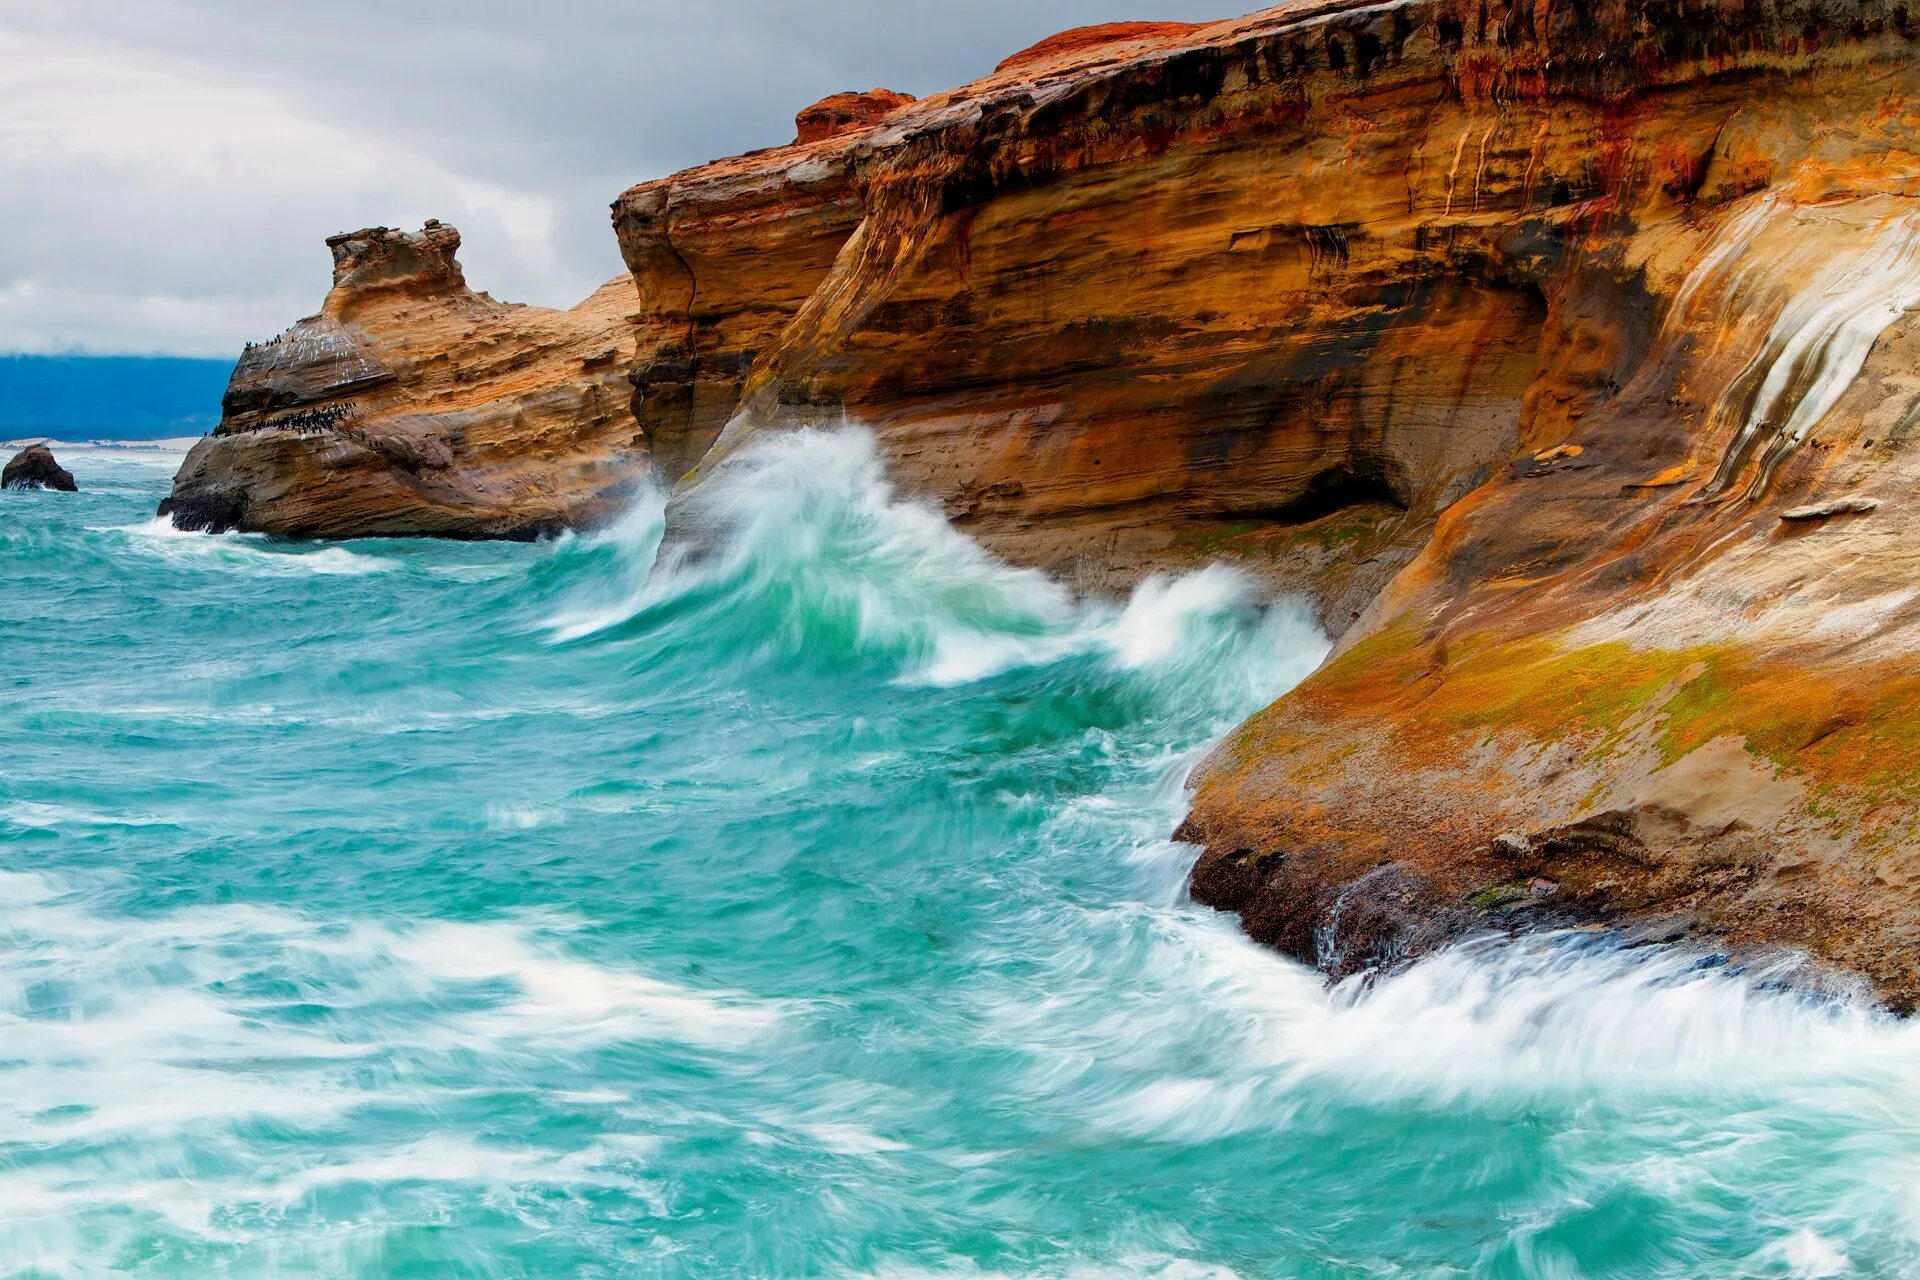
<point x="1657" y="674"/>
<point x="1508" y="334"/>
<point x="723" y="257"/>
<point x="1854" y="506"/>
<point x="412" y="405"/>
<point x="1101" y="38"/>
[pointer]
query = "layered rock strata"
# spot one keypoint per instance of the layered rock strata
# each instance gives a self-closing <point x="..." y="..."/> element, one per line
<point x="411" y="405"/>
<point x="1595" y="296"/>
<point x="1559" y="352"/>
<point x="1658" y="668"/>
<point x="724" y="256"/>
<point x="845" y="112"/>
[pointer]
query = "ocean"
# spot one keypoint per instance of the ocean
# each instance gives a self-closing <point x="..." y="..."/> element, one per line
<point x="797" y="903"/>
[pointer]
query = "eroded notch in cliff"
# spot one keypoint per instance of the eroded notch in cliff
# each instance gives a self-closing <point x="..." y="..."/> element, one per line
<point x="1360" y="480"/>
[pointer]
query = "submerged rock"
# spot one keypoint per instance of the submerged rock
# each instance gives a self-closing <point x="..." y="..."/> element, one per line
<point x="34" y="468"/>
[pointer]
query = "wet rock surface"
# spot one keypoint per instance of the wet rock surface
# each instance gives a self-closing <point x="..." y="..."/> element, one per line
<point x="34" y="467"/>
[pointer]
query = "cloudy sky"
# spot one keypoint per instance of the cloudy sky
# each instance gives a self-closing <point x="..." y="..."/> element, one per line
<point x="169" y="168"/>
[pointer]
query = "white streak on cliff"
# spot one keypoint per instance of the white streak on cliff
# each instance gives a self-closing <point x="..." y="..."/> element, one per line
<point x="1824" y="331"/>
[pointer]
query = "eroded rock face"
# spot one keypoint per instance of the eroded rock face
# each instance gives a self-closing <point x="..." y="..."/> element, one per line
<point x="34" y="467"/>
<point x="1106" y="37"/>
<point x="1101" y="308"/>
<point x="1659" y="666"/>
<point x="723" y="257"/>
<point x="1510" y="335"/>
<point x="412" y="405"/>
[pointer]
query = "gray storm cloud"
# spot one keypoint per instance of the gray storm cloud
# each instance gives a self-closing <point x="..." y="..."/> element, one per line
<point x="170" y="169"/>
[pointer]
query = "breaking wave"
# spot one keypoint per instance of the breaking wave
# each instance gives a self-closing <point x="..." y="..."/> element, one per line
<point x="808" y="556"/>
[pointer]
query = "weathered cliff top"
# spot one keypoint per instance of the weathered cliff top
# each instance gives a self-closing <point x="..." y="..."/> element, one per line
<point x="1067" y="46"/>
<point x="381" y="257"/>
<point x="843" y="112"/>
<point x="411" y="404"/>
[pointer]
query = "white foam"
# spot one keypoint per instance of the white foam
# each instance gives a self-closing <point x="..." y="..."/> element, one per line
<point x="501" y="816"/>
<point x="1140" y="1265"/>
<point x="806" y="533"/>
<point x="123" y="1026"/>
<point x="247" y="553"/>
<point x="28" y="813"/>
<point x="1153" y="627"/>
<point x="565" y="999"/>
<point x="1220" y="1036"/>
<point x="1807" y="1255"/>
<point x="135" y="1051"/>
<point x="634" y="541"/>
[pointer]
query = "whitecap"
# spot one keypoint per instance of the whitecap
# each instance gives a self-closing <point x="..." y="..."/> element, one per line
<point x="799" y="539"/>
<point x="565" y="999"/>
<point x="1807" y="1255"/>
<point x="501" y="816"/>
<point x="247" y="553"/>
<point x="29" y="813"/>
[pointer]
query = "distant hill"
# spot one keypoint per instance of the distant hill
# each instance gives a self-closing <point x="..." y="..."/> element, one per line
<point x="109" y="397"/>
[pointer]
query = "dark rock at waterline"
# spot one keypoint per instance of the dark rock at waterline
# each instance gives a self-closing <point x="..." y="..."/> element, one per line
<point x="34" y="468"/>
<point x="214" y="511"/>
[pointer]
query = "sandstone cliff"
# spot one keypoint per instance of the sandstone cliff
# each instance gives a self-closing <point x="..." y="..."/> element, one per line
<point x="1613" y="298"/>
<point x="1658" y="667"/>
<point x="413" y="405"/>
<point x="1559" y="351"/>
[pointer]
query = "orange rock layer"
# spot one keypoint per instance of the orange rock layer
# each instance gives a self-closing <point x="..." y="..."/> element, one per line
<point x="1560" y="352"/>
<point x="844" y="112"/>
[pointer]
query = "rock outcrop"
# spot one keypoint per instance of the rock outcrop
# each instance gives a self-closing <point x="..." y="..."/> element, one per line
<point x="1508" y="333"/>
<point x="845" y="112"/>
<point x="1560" y="352"/>
<point x="411" y="405"/>
<point x="34" y="467"/>
<point x="1102" y="36"/>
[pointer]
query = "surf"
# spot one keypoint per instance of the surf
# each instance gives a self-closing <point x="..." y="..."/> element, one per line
<point x="800" y="902"/>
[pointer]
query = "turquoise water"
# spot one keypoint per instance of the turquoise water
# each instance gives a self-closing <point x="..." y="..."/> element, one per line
<point x="800" y="908"/>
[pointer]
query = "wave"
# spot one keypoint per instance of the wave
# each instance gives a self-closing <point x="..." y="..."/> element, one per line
<point x="246" y="553"/>
<point x="882" y="961"/>
<point x="123" y="1025"/>
<point x="804" y="553"/>
<point x="1504" y="1024"/>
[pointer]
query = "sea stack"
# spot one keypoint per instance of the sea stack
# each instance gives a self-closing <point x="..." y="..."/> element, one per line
<point x="412" y="405"/>
<point x="34" y="467"/>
